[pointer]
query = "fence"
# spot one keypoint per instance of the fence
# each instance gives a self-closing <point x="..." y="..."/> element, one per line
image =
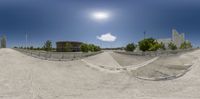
<point x="57" y="56"/>
<point x="156" y="53"/>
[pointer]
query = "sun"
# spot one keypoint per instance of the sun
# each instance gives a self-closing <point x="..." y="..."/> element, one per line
<point x="100" y="15"/>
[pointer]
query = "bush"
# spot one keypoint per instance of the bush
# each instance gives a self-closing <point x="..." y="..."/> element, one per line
<point x="38" y="48"/>
<point x="186" y="45"/>
<point x="47" y="46"/>
<point x="154" y="47"/>
<point x="97" y="48"/>
<point x="130" y="47"/>
<point x="90" y="47"/>
<point x="172" y="46"/>
<point x="149" y="44"/>
<point x="162" y="46"/>
<point x="31" y="48"/>
<point x="84" y="48"/>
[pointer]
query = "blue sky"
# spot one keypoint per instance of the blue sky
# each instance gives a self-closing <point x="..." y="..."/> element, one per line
<point x="71" y="20"/>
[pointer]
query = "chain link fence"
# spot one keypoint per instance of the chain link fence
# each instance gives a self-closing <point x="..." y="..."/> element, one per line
<point x="57" y="56"/>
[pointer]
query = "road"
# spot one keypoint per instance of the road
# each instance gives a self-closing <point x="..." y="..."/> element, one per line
<point x="25" y="77"/>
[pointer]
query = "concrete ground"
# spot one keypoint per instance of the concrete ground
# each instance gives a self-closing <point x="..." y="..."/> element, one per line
<point x="166" y="67"/>
<point x="25" y="77"/>
<point x="126" y="60"/>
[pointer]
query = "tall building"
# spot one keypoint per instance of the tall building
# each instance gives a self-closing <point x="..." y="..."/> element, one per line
<point x="177" y="39"/>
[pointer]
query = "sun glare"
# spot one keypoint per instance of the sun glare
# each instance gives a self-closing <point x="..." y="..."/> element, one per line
<point x="100" y="15"/>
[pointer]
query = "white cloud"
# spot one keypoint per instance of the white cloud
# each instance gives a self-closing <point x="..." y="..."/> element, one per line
<point x="108" y="37"/>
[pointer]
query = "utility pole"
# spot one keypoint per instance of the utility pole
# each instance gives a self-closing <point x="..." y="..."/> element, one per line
<point x="26" y="40"/>
<point x="144" y="34"/>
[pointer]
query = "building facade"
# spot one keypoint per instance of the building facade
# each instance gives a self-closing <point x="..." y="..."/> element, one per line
<point x="177" y="39"/>
<point x="64" y="46"/>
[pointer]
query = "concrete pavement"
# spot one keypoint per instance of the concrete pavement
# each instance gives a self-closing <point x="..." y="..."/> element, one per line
<point x="24" y="77"/>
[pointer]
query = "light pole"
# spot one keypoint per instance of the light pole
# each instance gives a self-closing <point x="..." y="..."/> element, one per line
<point x="144" y="34"/>
<point x="26" y="40"/>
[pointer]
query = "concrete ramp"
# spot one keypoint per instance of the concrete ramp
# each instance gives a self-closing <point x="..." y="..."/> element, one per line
<point x="103" y="59"/>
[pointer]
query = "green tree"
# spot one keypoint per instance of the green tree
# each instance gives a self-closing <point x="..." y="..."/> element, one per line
<point x="186" y="45"/>
<point x="97" y="48"/>
<point x="67" y="47"/>
<point x="47" y="45"/>
<point x="31" y="48"/>
<point x="149" y="44"/>
<point x="130" y="47"/>
<point x="154" y="46"/>
<point x="172" y="46"/>
<point x="84" y="48"/>
<point x="90" y="47"/>
<point x="162" y="46"/>
<point x="38" y="48"/>
<point x="3" y="41"/>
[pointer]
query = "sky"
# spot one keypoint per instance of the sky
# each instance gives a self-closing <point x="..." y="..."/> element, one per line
<point x="77" y="20"/>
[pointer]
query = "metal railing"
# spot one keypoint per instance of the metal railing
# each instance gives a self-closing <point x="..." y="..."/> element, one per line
<point x="56" y="56"/>
<point x="156" y="53"/>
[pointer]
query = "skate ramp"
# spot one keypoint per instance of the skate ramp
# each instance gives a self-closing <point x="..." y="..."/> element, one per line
<point x="166" y="67"/>
<point x="103" y="59"/>
<point x="110" y="62"/>
<point x="129" y="60"/>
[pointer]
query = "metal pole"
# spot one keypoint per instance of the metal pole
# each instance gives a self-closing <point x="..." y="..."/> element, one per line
<point x="26" y="40"/>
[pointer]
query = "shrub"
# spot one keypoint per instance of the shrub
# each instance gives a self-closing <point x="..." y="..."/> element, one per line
<point x="90" y="47"/>
<point x="84" y="48"/>
<point x="38" y="48"/>
<point x="149" y="44"/>
<point x="47" y="45"/>
<point x="130" y="47"/>
<point x="97" y="48"/>
<point x="154" y="47"/>
<point x="186" y="45"/>
<point x="172" y="46"/>
<point x="162" y="46"/>
<point x="31" y="48"/>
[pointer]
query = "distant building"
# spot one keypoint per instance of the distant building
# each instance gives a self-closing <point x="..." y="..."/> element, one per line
<point x="165" y="41"/>
<point x="74" y="46"/>
<point x="177" y="39"/>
